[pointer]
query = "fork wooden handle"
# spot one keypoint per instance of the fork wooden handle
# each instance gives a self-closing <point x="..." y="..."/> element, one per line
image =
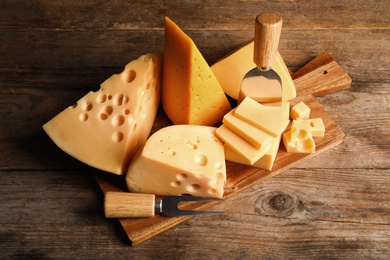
<point x="128" y="205"/>
<point x="268" y="27"/>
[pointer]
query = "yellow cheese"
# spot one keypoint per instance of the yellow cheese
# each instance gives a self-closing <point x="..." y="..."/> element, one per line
<point x="191" y="94"/>
<point x="266" y="162"/>
<point x="107" y="127"/>
<point x="300" y="110"/>
<point x="299" y="138"/>
<point x="271" y="120"/>
<point x="250" y="153"/>
<point x="180" y="159"/>
<point x="231" y="70"/>
<point x="251" y="134"/>
<point x="317" y="127"/>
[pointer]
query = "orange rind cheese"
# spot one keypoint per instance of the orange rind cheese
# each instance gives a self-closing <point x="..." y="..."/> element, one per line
<point x="191" y="94"/>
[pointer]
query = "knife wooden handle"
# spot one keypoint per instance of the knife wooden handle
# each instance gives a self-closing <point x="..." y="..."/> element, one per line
<point x="128" y="205"/>
<point x="268" y="27"/>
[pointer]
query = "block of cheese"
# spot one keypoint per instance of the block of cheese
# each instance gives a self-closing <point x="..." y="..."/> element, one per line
<point x="249" y="152"/>
<point x="231" y="70"/>
<point x="248" y="132"/>
<point x="191" y="94"/>
<point x="271" y="120"/>
<point x="299" y="138"/>
<point x="317" y="127"/>
<point x="180" y="159"/>
<point x="266" y="162"/>
<point x="106" y="128"/>
<point x="300" y="110"/>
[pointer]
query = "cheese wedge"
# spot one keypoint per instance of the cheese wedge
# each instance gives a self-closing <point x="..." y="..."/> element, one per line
<point x="180" y="159"/>
<point x="231" y="70"/>
<point x="271" y="120"/>
<point x="191" y="94"/>
<point x="106" y="128"/>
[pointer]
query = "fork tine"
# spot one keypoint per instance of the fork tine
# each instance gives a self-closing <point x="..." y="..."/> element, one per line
<point x="170" y="205"/>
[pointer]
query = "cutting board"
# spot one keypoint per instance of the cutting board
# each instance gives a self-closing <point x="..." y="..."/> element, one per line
<point x="319" y="77"/>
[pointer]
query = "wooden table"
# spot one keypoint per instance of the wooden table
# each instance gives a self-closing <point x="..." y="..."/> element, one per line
<point x="335" y="205"/>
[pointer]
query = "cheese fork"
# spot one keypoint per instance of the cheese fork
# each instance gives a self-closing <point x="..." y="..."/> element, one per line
<point x="133" y="205"/>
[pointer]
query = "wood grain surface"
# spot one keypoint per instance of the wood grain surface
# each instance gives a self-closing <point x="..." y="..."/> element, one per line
<point x="333" y="206"/>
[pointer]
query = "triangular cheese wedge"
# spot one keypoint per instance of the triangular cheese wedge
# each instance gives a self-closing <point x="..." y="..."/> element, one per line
<point x="191" y="94"/>
<point x="180" y="159"/>
<point x="106" y="128"/>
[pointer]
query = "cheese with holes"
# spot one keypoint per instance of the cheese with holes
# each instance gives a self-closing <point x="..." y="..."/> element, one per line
<point x="231" y="70"/>
<point x="265" y="162"/>
<point x="299" y="138"/>
<point x="300" y="110"/>
<point x="107" y="127"/>
<point x="249" y="152"/>
<point x="180" y="159"/>
<point x="317" y="127"/>
<point x="191" y="94"/>
<point x="271" y="120"/>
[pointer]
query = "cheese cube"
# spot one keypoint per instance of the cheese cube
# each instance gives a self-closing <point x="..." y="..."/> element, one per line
<point x="180" y="159"/>
<point x="317" y="127"/>
<point x="191" y="94"/>
<point x="250" y="153"/>
<point x="271" y="120"/>
<point x="299" y="139"/>
<point x="300" y="110"/>
<point x="231" y="70"/>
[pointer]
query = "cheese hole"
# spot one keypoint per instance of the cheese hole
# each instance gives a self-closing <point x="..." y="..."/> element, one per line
<point x="83" y="117"/>
<point x="182" y="176"/>
<point x="306" y="144"/>
<point x="117" y="137"/>
<point x="302" y="134"/>
<point x="88" y="106"/>
<point x="101" y="98"/>
<point x="74" y="106"/>
<point x="175" y="183"/>
<point x="130" y="76"/>
<point x="201" y="159"/>
<point x="212" y="191"/>
<point x="108" y="110"/>
<point x="126" y="112"/>
<point x="103" y="116"/>
<point x="311" y="124"/>
<point x="194" y="187"/>
<point x="118" y="120"/>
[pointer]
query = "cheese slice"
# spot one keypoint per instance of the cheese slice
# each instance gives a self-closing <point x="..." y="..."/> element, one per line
<point x="180" y="159"/>
<point x="250" y="153"/>
<point x="191" y="94"/>
<point x="271" y="120"/>
<point x="266" y="162"/>
<point x="107" y="127"/>
<point x="299" y="138"/>
<point x="300" y="110"/>
<point x="248" y="132"/>
<point x="231" y="70"/>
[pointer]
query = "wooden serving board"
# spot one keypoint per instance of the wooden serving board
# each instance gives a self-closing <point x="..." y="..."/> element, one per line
<point x="319" y="77"/>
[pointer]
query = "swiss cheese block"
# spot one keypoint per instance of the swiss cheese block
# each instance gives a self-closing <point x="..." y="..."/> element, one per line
<point x="250" y="153"/>
<point x="231" y="70"/>
<point x="300" y="110"/>
<point x="180" y="159"/>
<point x="299" y="138"/>
<point x="271" y="120"/>
<point x="250" y="133"/>
<point x="191" y="94"/>
<point x="266" y="162"/>
<point x="106" y="128"/>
